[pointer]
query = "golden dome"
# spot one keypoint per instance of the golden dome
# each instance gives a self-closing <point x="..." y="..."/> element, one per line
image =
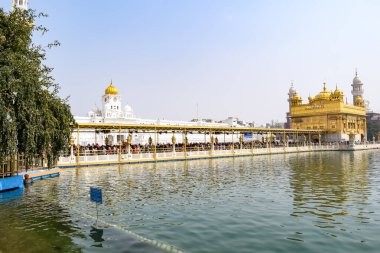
<point x="311" y="100"/>
<point x="359" y="100"/>
<point x="296" y="99"/>
<point x="323" y="95"/>
<point x="111" y="90"/>
<point x="337" y="94"/>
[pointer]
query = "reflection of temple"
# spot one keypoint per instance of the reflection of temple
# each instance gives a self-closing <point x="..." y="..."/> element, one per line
<point x="329" y="186"/>
<point x="328" y="111"/>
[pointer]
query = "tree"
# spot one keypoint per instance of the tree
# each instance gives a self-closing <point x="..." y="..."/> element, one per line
<point x="34" y="120"/>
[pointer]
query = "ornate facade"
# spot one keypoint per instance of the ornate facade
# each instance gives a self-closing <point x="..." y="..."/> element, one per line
<point x="329" y="112"/>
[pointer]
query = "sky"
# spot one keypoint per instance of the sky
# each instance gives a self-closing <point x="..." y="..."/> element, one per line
<point x="231" y="58"/>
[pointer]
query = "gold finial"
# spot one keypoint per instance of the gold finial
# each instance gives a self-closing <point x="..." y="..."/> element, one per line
<point x="324" y="87"/>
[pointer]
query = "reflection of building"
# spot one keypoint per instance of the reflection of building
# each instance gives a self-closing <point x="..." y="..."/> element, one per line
<point x="325" y="185"/>
<point x="329" y="112"/>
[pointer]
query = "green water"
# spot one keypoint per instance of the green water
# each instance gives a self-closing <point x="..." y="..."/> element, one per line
<point x="321" y="202"/>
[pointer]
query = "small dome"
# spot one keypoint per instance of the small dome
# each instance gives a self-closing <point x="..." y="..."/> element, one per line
<point x="323" y="95"/>
<point x="128" y="108"/>
<point x="292" y="90"/>
<point x="296" y="99"/>
<point x="359" y="100"/>
<point x="310" y="99"/>
<point x="338" y="92"/>
<point x="111" y="90"/>
<point x="356" y="79"/>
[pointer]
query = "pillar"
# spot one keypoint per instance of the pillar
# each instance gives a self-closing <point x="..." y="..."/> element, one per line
<point x="119" y="153"/>
<point x="252" y="143"/>
<point x="212" y="140"/>
<point x="155" y="145"/>
<point x="233" y="144"/>
<point x="185" y="144"/>
<point x="72" y="156"/>
<point x="78" y="148"/>
<point x="129" y="142"/>
<point x="173" y="144"/>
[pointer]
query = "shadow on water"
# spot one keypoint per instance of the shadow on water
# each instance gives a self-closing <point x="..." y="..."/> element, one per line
<point x="97" y="235"/>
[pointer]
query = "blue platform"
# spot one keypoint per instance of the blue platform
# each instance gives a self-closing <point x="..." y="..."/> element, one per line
<point x="11" y="183"/>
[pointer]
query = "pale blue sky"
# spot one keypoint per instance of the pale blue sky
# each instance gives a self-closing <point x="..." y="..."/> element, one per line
<point x="233" y="58"/>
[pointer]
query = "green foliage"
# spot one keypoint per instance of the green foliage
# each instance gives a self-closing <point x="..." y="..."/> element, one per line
<point x="372" y="130"/>
<point x="34" y="120"/>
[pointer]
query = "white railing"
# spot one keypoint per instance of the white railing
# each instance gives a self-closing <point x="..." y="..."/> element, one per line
<point x="87" y="158"/>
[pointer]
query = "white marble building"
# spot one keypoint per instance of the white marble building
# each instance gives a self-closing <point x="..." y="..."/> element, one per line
<point x="113" y="112"/>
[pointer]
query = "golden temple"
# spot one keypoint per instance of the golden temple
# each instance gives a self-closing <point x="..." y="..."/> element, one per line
<point x="328" y="112"/>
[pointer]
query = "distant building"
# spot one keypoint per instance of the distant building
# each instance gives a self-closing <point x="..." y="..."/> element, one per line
<point x="276" y="124"/>
<point x="113" y="112"/>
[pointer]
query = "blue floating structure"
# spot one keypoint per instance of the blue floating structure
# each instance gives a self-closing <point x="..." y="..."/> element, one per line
<point x="11" y="183"/>
<point x="41" y="174"/>
<point x="10" y="195"/>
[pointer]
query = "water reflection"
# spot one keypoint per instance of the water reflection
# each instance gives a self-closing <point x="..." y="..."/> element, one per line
<point x="281" y="203"/>
<point x="97" y="235"/>
<point x="327" y="187"/>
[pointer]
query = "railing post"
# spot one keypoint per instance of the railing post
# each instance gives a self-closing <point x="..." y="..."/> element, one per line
<point x="185" y="144"/>
<point x="212" y="139"/>
<point x="78" y="148"/>
<point x="173" y="144"/>
<point x="155" y="145"/>
<point x="233" y="144"/>
<point x="119" y="157"/>
<point x="252" y="143"/>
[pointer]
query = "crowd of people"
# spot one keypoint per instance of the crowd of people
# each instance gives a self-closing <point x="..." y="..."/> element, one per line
<point x="97" y="149"/>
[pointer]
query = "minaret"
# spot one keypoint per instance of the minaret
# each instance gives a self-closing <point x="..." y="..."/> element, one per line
<point x="20" y="4"/>
<point x="292" y="92"/>
<point x="357" y="88"/>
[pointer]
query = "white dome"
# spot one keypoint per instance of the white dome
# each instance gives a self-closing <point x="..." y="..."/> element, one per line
<point x="128" y="108"/>
<point x="128" y="112"/>
<point x="356" y="79"/>
<point x="292" y="90"/>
